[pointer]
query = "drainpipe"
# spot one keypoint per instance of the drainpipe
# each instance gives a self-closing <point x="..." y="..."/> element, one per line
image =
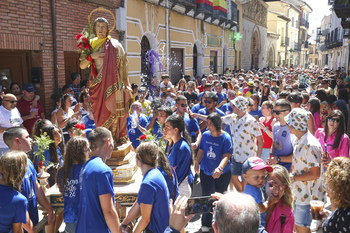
<point x="167" y="36"/>
<point x="286" y="49"/>
<point x="54" y="39"/>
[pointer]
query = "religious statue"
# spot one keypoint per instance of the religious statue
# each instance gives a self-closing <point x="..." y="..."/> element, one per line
<point x="109" y="86"/>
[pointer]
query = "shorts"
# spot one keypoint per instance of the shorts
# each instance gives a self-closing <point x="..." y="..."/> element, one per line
<point x="70" y="227"/>
<point x="236" y="168"/>
<point x="302" y="215"/>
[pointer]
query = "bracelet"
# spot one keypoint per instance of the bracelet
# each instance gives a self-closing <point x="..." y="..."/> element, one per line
<point x="197" y="164"/>
<point x="266" y="129"/>
<point x="220" y="169"/>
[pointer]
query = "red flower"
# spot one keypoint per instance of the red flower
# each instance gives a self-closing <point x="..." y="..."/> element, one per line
<point x="41" y="163"/>
<point x="87" y="46"/>
<point x="80" y="45"/>
<point x="78" y="36"/>
<point x="85" y="40"/>
<point x="143" y="137"/>
<point x="80" y="126"/>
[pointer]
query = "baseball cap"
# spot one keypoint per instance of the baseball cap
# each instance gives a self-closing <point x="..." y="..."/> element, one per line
<point x="302" y="87"/>
<point x="255" y="163"/>
<point x="298" y="118"/>
<point x="251" y="83"/>
<point x="28" y="87"/>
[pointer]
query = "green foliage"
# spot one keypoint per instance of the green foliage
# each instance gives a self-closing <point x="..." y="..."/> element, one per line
<point x="42" y="143"/>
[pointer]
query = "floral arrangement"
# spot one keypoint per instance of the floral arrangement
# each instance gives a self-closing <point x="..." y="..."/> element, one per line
<point x="85" y="48"/>
<point x="42" y="143"/>
<point x="148" y="136"/>
<point x="79" y="128"/>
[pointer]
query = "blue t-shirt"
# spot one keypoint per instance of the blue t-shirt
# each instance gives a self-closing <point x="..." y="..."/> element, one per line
<point x="214" y="149"/>
<point x="28" y="190"/>
<point x="226" y="109"/>
<point x="171" y="183"/>
<point x="13" y="206"/>
<point x="135" y="133"/>
<point x="180" y="157"/>
<point x="258" y="196"/>
<point x="192" y="126"/>
<point x="257" y="112"/>
<point x="196" y="108"/>
<point x="200" y="96"/>
<point x="157" y="129"/>
<point x="72" y="194"/>
<point x="221" y="97"/>
<point x="154" y="191"/>
<point x="96" y="180"/>
<point x="204" y="111"/>
<point x="282" y="142"/>
<point x="89" y="125"/>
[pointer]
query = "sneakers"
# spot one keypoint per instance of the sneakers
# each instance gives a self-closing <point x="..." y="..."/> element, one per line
<point x="205" y="229"/>
<point x="315" y="225"/>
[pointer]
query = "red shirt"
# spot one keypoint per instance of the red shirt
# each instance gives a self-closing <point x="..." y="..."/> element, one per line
<point x="267" y="140"/>
<point x="24" y="108"/>
<point x="200" y="88"/>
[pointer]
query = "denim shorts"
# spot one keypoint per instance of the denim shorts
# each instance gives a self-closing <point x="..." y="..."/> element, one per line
<point x="236" y="167"/>
<point x="302" y="215"/>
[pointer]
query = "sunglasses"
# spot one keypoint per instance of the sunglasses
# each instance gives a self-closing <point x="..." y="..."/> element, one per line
<point x="278" y="112"/>
<point x="272" y="184"/>
<point x="183" y="105"/>
<point x="208" y="101"/>
<point x="11" y="101"/>
<point x="335" y="120"/>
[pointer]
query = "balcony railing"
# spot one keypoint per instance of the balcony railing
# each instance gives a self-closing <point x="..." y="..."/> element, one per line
<point x="297" y="46"/>
<point x="285" y="41"/>
<point x="342" y="8"/>
<point x="333" y="39"/>
<point x="304" y="23"/>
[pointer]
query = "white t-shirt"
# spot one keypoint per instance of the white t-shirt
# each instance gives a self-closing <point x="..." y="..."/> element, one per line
<point x="8" y="119"/>
<point x="169" y="85"/>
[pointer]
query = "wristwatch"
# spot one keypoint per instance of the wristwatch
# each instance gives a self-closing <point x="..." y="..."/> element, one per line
<point x="278" y="159"/>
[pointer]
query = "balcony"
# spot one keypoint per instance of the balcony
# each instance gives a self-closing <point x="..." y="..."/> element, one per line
<point x="333" y="39"/>
<point x="204" y="11"/>
<point x="319" y="32"/>
<point x="345" y="23"/>
<point x="231" y="22"/>
<point x="285" y="41"/>
<point x="304" y="23"/>
<point x="297" y="47"/>
<point x="342" y="8"/>
<point x="346" y="33"/>
<point x="183" y="6"/>
<point x="306" y="44"/>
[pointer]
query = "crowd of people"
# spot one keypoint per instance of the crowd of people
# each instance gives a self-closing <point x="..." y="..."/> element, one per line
<point x="276" y="137"/>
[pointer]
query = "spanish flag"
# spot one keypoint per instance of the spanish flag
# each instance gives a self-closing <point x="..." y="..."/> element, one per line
<point x="220" y="5"/>
<point x="208" y="2"/>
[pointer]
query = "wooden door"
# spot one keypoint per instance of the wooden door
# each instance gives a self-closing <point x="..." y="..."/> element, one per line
<point x="176" y="65"/>
<point x="13" y="68"/>
<point x="214" y="61"/>
<point x="71" y="63"/>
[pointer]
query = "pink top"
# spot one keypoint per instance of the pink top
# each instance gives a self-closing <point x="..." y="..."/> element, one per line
<point x="317" y="120"/>
<point x="274" y="224"/>
<point x="343" y="148"/>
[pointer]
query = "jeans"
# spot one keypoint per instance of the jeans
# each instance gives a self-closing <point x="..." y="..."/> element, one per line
<point x="211" y="185"/>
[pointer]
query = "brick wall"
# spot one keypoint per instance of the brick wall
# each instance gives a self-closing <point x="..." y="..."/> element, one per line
<point x="27" y="25"/>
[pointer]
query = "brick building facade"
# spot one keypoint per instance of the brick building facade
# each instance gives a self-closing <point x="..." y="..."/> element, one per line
<point x="37" y="39"/>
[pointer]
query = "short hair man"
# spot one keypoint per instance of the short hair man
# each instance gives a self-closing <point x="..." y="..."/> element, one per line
<point x="96" y="210"/>
<point x="18" y="139"/>
<point x="9" y="117"/>
<point x="234" y="213"/>
<point x="75" y="85"/>
<point x="211" y="100"/>
<point x="190" y="94"/>
<point x="306" y="169"/>
<point x="29" y="113"/>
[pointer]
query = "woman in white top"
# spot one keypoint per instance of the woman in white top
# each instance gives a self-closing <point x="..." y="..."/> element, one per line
<point x="65" y="113"/>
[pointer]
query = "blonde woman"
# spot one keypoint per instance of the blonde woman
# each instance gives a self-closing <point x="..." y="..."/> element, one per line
<point x="280" y="217"/>
<point x="13" y="205"/>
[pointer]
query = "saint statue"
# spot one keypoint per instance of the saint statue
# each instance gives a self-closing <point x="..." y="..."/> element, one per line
<point x="109" y="89"/>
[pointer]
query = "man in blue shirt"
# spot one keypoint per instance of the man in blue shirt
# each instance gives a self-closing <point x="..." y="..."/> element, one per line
<point x="96" y="210"/>
<point x="222" y="97"/>
<point x="18" y="139"/>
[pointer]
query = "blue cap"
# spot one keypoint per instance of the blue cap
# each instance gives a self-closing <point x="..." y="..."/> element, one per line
<point x="28" y="87"/>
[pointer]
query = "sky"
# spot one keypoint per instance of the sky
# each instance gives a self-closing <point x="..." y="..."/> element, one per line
<point x="320" y="9"/>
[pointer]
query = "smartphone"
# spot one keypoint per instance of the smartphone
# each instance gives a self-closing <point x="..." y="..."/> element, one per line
<point x="200" y="205"/>
<point x="325" y="151"/>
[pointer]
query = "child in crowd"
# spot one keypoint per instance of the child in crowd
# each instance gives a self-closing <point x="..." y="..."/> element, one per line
<point x="254" y="171"/>
<point x="13" y="205"/>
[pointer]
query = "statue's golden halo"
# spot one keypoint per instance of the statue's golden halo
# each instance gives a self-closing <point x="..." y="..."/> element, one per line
<point x="105" y="10"/>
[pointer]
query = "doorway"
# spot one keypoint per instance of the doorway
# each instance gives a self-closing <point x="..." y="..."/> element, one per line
<point x="72" y="65"/>
<point x="214" y="61"/>
<point x="176" y="64"/>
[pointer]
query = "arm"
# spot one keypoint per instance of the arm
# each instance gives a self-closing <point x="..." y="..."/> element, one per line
<point x="31" y="115"/>
<point x="311" y="124"/>
<point x="42" y="200"/>
<point x="110" y="213"/>
<point x="284" y="159"/>
<point x="134" y="213"/>
<point x="260" y="145"/>
<point x="217" y="172"/>
<point x="17" y="227"/>
<point x="198" y="140"/>
<point x="146" y="211"/>
<point x="198" y="160"/>
<point x="313" y="174"/>
<point x="42" y="115"/>
<point x="34" y="102"/>
<point x="151" y="123"/>
<point x="29" y="227"/>
<point x="85" y="63"/>
<point x="60" y="119"/>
